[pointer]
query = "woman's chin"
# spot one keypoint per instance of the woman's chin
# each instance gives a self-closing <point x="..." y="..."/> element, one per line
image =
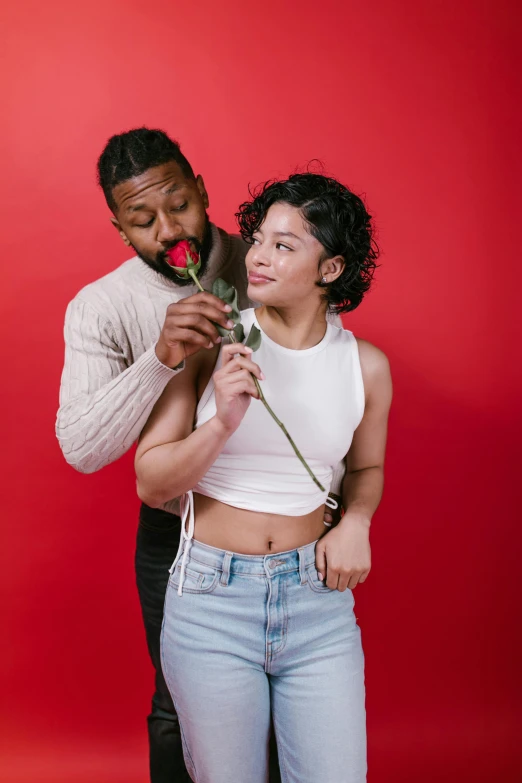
<point x="270" y="295"/>
<point x="259" y="294"/>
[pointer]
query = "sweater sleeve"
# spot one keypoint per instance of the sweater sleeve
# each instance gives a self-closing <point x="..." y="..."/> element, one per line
<point x="104" y="403"/>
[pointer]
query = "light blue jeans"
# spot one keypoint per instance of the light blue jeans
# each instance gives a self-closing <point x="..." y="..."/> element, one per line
<point x="252" y="636"/>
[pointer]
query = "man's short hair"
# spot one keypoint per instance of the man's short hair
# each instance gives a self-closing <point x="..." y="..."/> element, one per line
<point x="129" y="154"/>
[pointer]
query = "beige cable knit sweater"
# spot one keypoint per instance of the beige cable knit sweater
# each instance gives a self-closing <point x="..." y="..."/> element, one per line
<point x="112" y="376"/>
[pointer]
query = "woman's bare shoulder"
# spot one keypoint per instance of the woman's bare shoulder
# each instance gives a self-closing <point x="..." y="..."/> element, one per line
<point x="375" y="365"/>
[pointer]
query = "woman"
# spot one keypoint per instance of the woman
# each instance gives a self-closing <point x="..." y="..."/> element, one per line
<point x="259" y="610"/>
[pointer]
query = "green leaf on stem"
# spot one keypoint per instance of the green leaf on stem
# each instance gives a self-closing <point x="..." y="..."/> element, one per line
<point x="234" y="314"/>
<point x="222" y="290"/>
<point x="239" y="332"/>
<point x="222" y="331"/>
<point x="228" y="294"/>
<point x="254" y="339"/>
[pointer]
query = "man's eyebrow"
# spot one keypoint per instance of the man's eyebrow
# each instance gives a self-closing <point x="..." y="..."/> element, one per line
<point x="171" y="189"/>
<point x="175" y="186"/>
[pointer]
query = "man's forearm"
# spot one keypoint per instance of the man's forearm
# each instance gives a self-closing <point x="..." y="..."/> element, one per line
<point x="95" y="429"/>
<point x="362" y="491"/>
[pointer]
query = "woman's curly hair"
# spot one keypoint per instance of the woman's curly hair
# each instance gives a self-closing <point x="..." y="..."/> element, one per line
<point x="336" y="217"/>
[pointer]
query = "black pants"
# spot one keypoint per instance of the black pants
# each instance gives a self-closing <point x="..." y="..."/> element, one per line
<point x="156" y="547"/>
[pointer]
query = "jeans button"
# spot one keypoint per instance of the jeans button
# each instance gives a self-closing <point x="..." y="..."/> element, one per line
<point x="272" y="563"/>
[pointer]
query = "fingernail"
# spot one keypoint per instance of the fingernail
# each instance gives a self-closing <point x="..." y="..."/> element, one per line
<point x="262" y="376"/>
<point x="210" y="345"/>
<point x="230" y="324"/>
<point x="247" y="349"/>
<point x="320" y="576"/>
<point x="227" y="308"/>
<point x="218" y="340"/>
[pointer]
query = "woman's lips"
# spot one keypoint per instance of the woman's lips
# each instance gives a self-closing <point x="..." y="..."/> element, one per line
<point x="258" y="279"/>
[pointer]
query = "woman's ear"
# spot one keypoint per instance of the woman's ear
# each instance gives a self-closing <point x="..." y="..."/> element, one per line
<point x="331" y="268"/>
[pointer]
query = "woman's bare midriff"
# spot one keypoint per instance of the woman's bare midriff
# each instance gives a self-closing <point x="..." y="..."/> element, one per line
<point x="253" y="532"/>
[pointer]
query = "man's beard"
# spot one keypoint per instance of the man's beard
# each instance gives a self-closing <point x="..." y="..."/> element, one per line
<point x="161" y="265"/>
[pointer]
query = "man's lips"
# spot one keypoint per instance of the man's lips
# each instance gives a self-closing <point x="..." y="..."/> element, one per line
<point x="255" y="278"/>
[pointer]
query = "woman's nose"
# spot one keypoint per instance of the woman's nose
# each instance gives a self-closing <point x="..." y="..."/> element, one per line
<point x="258" y="256"/>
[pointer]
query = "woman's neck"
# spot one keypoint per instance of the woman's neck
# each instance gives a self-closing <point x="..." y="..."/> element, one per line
<point x="295" y="328"/>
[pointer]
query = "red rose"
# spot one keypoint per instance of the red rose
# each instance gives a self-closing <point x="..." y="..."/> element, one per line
<point x="180" y="254"/>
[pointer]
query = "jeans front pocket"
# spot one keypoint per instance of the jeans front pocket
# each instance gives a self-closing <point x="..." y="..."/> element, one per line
<point x="315" y="583"/>
<point x="198" y="578"/>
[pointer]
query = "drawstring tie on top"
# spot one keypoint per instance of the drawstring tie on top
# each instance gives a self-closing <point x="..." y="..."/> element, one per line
<point x="186" y="537"/>
<point x="333" y="504"/>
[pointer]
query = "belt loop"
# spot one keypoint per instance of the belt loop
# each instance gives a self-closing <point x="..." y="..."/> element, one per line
<point x="302" y="569"/>
<point x="225" y="576"/>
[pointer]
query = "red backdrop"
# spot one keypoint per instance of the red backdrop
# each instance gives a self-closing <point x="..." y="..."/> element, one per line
<point x="414" y="104"/>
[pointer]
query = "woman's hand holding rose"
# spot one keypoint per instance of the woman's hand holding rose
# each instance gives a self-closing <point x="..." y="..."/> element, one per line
<point x="234" y="385"/>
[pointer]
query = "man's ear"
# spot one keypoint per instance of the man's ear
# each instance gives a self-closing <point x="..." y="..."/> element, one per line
<point x="331" y="268"/>
<point x="202" y="190"/>
<point x="120" y="231"/>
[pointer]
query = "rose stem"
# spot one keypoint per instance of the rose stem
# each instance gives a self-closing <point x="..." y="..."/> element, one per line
<point x="232" y="338"/>
<point x="195" y="279"/>
<point x="280" y="423"/>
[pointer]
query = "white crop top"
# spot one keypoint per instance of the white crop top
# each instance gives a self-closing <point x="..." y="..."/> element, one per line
<point x="318" y="394"/>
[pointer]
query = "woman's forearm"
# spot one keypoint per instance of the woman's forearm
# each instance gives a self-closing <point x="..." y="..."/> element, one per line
<point x="362" y="491"/>
<point x="167" y="471"/>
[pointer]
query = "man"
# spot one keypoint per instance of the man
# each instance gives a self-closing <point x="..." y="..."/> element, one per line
<point x="126" y="336"/>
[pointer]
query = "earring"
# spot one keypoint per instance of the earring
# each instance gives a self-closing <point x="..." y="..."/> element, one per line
<point x="323" y="280"/>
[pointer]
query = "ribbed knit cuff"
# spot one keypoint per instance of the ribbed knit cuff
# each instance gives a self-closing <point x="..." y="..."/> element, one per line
<point x="152" y="373"/>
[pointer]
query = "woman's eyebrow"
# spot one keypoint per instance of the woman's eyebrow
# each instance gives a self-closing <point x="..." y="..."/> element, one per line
<point x="287" y="234"/>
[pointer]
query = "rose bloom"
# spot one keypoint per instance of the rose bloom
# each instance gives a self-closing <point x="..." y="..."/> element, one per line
<point x="179" y="256"/>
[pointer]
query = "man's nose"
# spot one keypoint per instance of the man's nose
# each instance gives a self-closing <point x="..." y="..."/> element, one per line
<point x="168" y="228"/>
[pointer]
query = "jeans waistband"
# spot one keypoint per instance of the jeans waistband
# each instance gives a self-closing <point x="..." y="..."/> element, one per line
<point x="231" y="562"/>
<point x="254" y="565"/>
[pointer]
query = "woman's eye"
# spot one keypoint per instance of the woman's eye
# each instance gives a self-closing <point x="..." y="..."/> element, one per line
<point x="254" y="241"/>
<point x="145" y="225"/>
<point x="182" y="207"/>
<point x="280" y="245"/>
